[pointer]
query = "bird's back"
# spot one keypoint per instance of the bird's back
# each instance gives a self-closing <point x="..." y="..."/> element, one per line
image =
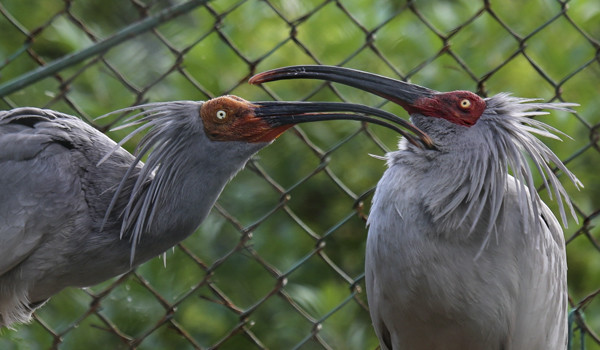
<point x="50" y="184"/>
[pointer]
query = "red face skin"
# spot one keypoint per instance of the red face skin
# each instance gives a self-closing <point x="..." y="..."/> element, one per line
<point x="231" y="118"/>
<point x="459" y="107"/>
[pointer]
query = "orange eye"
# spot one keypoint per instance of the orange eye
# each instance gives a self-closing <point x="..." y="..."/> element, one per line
<point x="465" y="104"/>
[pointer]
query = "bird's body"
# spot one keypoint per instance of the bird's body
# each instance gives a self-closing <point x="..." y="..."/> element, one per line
<point x="441" y="285"/>
<point x="77" y="209"/>
<point x="460" y="253"/>
<point x="55" y="195"/>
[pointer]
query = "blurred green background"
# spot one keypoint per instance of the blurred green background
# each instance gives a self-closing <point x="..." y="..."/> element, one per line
<point x="297" y="212"/>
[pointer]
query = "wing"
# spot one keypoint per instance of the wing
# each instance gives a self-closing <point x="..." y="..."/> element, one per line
<point x="40" y="189"/>
<point x="543" y="303"/>
<point x="53" y="199"/>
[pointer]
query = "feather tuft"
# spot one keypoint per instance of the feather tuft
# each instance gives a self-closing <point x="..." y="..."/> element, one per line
<point x="162" y="123"/>
<point x="510" y="147"/>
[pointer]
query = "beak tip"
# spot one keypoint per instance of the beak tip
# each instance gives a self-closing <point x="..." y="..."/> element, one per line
<point x="257" y="79"/>
<point x="428" y="142"/>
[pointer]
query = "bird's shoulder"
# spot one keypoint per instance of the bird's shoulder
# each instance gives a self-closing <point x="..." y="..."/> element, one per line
<point x="45" y="165"/>
<point x="27" y="132"/>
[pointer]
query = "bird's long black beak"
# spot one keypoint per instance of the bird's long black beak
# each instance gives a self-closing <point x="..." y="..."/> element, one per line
<point x="279" y="114"/>
<point x="404" y="94"/>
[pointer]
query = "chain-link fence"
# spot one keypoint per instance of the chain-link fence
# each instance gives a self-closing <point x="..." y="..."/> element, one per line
<point x="279" y="262"/>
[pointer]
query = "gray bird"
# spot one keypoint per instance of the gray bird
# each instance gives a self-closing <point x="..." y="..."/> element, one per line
<point x="461" y="254"/>
<point x="77" y="209"/>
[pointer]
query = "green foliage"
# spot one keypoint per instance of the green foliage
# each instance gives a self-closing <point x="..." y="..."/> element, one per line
<point x="316" y="173"/>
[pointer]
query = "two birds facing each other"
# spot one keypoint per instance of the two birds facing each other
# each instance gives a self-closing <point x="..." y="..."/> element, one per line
<point x="460" y="254"/>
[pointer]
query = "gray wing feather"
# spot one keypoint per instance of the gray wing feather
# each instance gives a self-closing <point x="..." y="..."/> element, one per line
<point x="36" y="185"/>
<point x="543" y="289"/>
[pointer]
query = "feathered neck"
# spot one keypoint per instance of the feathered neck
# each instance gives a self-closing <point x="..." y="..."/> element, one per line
<point x="160" y="143"/>
<point x="182" y="175"/>
<point x="470" y="170"/>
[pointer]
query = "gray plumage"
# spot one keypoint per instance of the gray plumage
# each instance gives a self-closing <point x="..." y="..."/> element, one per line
<point x="56" y="194"/>
<point x="462" y="255"/>
<point x="76" y="208"/>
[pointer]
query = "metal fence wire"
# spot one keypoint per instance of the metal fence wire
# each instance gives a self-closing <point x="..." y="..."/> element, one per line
<point x="278" y="263"/>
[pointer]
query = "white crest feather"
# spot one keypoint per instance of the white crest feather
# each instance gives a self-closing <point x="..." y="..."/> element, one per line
<point x="513" y="146"/>
<point x="161" y="142"/>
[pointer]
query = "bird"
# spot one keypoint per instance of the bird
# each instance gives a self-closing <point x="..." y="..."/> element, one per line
<point x="77" y="208"/>
<point x="461" y="251"/>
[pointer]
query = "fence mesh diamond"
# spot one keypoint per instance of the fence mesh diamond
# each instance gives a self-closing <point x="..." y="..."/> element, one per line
<point x="278" y="263"/>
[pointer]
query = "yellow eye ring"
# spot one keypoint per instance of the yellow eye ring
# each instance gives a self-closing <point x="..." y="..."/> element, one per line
<point x="221" y="114"/>
<point x="465" y="104"/>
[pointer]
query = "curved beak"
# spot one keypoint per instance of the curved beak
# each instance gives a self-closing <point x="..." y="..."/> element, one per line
<point x="285" y="114"/>
<point x="404" y="94"/>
